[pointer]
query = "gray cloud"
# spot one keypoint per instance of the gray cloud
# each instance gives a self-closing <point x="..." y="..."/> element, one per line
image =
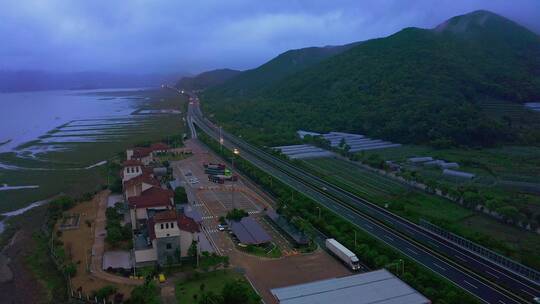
<point x="191" y="36"/>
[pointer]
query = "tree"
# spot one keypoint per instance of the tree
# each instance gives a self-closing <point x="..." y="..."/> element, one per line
<point x="238" y="292"/>
<point x="236" y="214"/>
<point x="105" y="292"/>
<point x="70" y="269"/>
<point x="180" y="196"/>
<point x="342" y="143"/>
<point x="177" y="255"/>
<point x="192" y="251"/>
<point x="210" y="298"/>
<point x="114" y="235"/>
<point x="145" y="294"/>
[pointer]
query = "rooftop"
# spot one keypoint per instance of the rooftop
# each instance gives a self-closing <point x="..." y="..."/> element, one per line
<point x="293" y="232"/>
<point x="131" y="162"/>
<point x="248" y="231"/>
<point x="153" y="197"/>
<point x="165" y="216"/>
<point x="187" y="224"/>
<point x="378" y="286"/>
<point x="159" y="147"/>
<point x="193" y="213"/>
<point x="139" y="152"/>
<point x="143" y="178"/>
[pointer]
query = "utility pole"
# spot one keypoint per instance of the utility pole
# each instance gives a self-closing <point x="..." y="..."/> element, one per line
<point x="319" y="212"/>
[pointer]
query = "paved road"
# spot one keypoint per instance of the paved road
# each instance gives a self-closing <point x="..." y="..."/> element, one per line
<point x="410" y="239"/>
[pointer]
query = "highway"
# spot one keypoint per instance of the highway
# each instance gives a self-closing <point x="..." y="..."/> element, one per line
<point x="442" y="257"/>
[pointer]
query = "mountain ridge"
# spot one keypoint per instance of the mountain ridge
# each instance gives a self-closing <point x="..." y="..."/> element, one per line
<point x="206" y="79"/>
<point x="414" y="86"/>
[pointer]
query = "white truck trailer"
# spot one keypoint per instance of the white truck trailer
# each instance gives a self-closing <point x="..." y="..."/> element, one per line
<point x="344" y="254"/>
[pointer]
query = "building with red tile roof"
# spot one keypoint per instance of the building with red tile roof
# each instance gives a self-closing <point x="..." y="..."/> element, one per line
<point x="159" y="147"/>
<point x="165" y="216"/>
<point x="187" y="224"/>
<point x="152" y="197"/>
<point x="136" y="185"/>
<point x="131" y="162"/>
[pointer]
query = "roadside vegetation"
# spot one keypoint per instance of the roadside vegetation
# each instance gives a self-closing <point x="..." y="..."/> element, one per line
<point x="369" y="250"/>
<point x="416" y="204"/>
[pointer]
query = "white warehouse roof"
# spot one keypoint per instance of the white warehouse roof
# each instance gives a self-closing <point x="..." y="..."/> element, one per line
<point x="378" y="286"/>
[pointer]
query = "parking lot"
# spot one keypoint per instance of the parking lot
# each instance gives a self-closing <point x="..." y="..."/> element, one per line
<point x="213" y="200"/>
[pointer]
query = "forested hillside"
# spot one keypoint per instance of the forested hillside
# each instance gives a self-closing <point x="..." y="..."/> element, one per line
<point x="206" y="79"/>
<point x="252" y="82"/>
<point x="416" y="86"/>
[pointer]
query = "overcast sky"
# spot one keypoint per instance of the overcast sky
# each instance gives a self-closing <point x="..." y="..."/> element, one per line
<point x="157" y="36"/>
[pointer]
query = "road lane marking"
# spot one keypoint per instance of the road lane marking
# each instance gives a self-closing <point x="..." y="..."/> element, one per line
<point x="500" y="301"/>
<point x="439" y="266"/>
<point x="369" y="226"/>
<point x="528" y="293"/>
<point x="466" y="282"/>
<point x="409" y="249"/>
<point x="463" y="259"/>
<point x="386" y="236"/>
<point x="493" y="275"/>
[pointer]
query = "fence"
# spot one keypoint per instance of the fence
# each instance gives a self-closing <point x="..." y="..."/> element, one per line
<point x="488" y="254"/>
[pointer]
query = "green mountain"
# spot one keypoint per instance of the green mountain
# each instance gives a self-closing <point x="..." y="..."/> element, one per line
<point x="434" y="86"/>
<point x="206" y="79"/>
<point x="252" y="82"/>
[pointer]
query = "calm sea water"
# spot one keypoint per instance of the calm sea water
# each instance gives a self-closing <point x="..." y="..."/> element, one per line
<point x="26" y="116"/>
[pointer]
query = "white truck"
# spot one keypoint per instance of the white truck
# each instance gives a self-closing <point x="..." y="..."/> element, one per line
<point x="344" y="254"/>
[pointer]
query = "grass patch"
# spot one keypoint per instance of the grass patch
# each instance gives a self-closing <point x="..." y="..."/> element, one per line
<point x="270" y="251"/>
<point x="188" y="291"/>
<point x="384" y="191"/>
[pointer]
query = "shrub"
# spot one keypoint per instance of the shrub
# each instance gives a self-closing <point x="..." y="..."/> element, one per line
<point x="236" y="214"/>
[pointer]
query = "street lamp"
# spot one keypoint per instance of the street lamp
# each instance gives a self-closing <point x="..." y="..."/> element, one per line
<point x="220" y="140"/>
<point x="235" y="152"/>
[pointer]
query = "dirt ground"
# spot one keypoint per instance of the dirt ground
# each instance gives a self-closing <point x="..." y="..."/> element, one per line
<point x="214" y="200"/>
<point x="268" y="274"/>
<point x="78" y="245"/>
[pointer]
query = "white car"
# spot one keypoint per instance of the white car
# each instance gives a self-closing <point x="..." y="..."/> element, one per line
<point x="221" y="227"/>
